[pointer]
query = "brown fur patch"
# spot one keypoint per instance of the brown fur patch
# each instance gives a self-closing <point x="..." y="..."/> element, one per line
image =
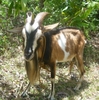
<point x="57" y="53"/>
<point x="41" y="47"/>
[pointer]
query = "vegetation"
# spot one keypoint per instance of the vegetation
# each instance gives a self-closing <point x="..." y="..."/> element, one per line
<point x="83" y="14"/>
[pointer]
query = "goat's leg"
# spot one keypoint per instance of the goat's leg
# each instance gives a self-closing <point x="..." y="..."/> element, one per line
<point x="81" y="69"/>
<point x="70" y="67"/>
<point x="25" y="91"/>
<point x="52" y="93"/>
<point x="70" y="74"/>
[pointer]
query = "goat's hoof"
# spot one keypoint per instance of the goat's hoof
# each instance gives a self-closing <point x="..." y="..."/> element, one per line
<point x="51" y="98"/>
<point x="73" y="76"/>
<point x="76" y="88"/>
<point x="23" y="95"/>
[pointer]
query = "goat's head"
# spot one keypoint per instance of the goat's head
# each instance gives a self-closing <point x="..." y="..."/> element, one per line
<point x="31" y="33"/>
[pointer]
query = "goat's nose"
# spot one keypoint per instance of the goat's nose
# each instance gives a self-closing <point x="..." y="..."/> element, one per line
<point x="27" y="54"/>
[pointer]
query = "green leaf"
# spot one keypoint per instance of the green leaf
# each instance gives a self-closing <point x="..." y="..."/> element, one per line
<point x="24" y="1"/>
<point x="10" y="8"/>
<point x="23" y="4"/>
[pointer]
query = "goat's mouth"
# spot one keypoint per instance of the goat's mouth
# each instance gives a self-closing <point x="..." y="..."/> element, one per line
<point x="28" y="57"/>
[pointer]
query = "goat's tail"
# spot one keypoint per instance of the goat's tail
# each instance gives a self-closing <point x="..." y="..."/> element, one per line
<point x="32" y="69"/>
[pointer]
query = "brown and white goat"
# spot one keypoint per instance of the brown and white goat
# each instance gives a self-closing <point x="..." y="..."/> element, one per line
<point x="50" y="46"/>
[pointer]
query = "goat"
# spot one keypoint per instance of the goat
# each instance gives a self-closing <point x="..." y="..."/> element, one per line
<point x="44" y="46"/>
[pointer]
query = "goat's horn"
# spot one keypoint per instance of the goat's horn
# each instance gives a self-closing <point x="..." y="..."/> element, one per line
<point x="40" y="17"/>
<point x="30" y="17"/>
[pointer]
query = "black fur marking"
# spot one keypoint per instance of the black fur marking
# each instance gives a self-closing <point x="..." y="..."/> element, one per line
<point x="29" y="41"/>
<point x="48" y="49"/>
<point x="56" y="31"/>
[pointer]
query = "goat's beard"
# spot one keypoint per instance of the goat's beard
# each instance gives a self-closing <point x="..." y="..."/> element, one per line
<point x="32" y="69"/>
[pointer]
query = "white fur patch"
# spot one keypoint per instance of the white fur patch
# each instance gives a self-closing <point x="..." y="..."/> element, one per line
<point x="28" y="27"/>
<point x="52" y="79"/>
<point x="37" y="36"/>
<point x="35" y="25"/>
<point x="30" y="50"/>
<point x="62" y="44"/>
<point x="34" y="45"/>
<point x="29" y="19"/>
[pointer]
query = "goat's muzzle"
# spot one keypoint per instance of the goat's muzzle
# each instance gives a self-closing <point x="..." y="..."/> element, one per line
<point x="28" y="56"/>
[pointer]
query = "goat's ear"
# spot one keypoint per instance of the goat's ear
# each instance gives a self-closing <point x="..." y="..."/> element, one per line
<point x="50" y="27"/>
<point x="16" y="30"/>
<point x="40" y="17"/>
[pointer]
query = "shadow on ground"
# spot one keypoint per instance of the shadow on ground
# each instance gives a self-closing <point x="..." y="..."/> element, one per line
<point x="63" y="89"/>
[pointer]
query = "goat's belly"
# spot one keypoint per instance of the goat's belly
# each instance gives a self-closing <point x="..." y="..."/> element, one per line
<point x="66" y="58"/>
<point x="66" y="55"/>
